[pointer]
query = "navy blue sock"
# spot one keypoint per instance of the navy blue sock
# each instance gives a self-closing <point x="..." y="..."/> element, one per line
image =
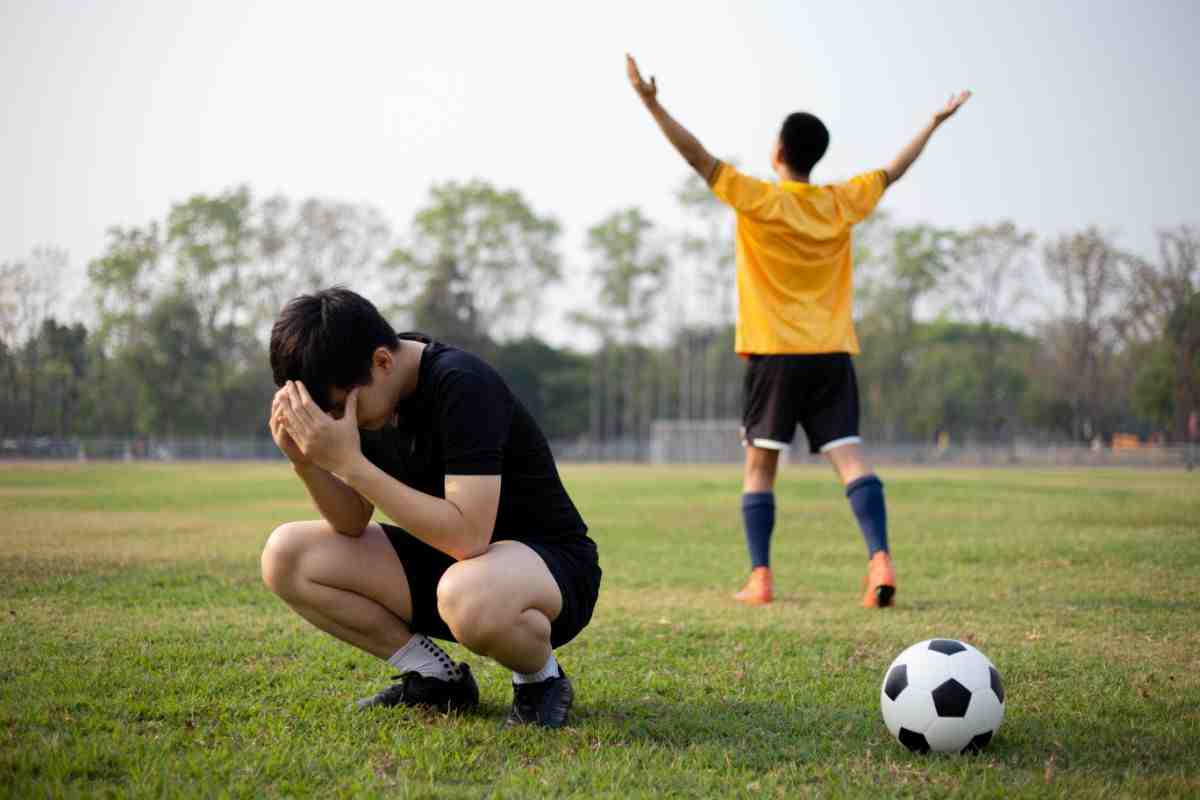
<point x="866" y="498"/>
<point x="758" y="515"/>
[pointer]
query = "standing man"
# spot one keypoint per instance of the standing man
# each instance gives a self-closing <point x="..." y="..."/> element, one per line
<point x="488" y="550"/>
<point x="795" y="322"/>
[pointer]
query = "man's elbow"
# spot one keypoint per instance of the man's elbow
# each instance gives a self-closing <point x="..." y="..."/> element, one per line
<point x="353" y="531"/>
<point x="355" y="528"/>
<point x="471" y="547"/>
<point x="466" y="553"/>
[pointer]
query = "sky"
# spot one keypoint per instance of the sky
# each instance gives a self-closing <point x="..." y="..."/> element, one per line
<point x="1085" y="112"/>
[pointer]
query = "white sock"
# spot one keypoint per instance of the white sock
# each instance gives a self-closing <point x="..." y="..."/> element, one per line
<point x="548" y="671"/>
<point x="422" y="656"/>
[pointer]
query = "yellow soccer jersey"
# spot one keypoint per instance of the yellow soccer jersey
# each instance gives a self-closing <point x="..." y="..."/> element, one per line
<point x="794" y="260"/>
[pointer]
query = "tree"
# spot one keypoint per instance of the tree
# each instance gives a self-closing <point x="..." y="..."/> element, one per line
<point x="1086" y="268"/>
<point x="1165" y="304"/>
<point x="28" y="292"/>
<point x="477" y="264"/>
<point x="551" y="383"/>
<point x="214" y="244"/>
<point x="233" y="264"/>
<point x="122" y="281"/>
<point x="631" y="270"/>
<point x="63" y="361"/>
<point x="910" y="265"/>
<point x="988" y="287"/>
<point x="324" y="243"/>
<point x="705" y="295"/>
<point x="948" y="386"/>
<point x="172" y="369"/>
<point x="1153" y="398"/>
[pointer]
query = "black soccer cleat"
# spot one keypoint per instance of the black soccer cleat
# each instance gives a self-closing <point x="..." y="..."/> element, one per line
<point x="545" y="703"/>
<point x="415" y="689"/>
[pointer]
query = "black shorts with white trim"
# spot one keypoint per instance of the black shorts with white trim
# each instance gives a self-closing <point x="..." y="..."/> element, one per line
<point x="817" y="391"/>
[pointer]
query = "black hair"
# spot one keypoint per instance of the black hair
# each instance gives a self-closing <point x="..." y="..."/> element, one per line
<point x="805" y="139"/>
<point x="326" y="340"/>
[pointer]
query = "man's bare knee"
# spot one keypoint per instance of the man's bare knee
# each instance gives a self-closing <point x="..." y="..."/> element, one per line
<point x="762" y="472"/>
<point x="281" y="557"/>
<point x="473" y="612"/>
<point x="849" y="462"/>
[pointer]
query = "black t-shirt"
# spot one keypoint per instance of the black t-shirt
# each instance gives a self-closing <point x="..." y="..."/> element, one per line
<point x="462" y="419"/>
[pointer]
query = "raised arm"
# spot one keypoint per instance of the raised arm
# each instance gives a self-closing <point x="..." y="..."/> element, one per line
<point x="688" y="145"/>
<point x="905" y="158"/>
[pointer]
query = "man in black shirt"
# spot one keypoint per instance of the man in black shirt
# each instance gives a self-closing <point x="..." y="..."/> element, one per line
<point x="488" y="550"/>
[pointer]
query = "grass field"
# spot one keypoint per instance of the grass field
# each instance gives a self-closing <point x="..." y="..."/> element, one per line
<point x="141" y="655"/>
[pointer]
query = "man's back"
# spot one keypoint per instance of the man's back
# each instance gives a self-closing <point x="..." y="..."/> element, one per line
<point x="794" y="260"/>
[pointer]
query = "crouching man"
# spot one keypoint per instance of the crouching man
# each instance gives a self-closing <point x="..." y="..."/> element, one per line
<point x="488" y="550"/>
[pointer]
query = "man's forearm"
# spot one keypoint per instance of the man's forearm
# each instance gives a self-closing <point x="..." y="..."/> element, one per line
<point x="340" y="505"/>
<point x="688" y="145"/>
<point x="905" y="158"/>
<point x="433" y="520"/>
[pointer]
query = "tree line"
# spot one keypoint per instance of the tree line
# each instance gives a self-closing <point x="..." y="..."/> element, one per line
<point x="985" y="334"/>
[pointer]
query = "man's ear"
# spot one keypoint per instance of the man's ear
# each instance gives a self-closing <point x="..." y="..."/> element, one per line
<point x="383" y="358"/>
<point x="777" y="154"/>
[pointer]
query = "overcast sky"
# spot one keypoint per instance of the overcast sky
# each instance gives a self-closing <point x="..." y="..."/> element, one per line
<point x="1085" y="111"/>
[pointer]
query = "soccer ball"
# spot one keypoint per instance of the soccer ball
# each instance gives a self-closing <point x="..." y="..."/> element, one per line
<point x="942" y="695"/>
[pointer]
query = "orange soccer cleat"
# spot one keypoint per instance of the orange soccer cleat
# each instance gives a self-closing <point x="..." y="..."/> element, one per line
<point x="880" y="582"/>
<point x="757" y="591"/>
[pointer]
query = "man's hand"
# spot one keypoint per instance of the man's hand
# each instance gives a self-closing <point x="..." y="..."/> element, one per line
<point x="680" y="138"/>
<point x="953" y="104"/>
<point x="905" y="158"/>
<point x="647" y="91"/>
<point x="331" y="444"/>
<point x="279" y="433"/>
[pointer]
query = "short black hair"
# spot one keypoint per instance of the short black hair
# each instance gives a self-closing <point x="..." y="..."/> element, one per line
<point x="805" y="139"/>
<point x="326" y="339"/>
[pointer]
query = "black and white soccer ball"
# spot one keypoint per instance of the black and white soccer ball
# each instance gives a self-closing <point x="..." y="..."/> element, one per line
<point x="942" y="695"/>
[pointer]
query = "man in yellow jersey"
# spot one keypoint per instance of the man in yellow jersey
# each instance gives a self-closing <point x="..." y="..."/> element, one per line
<point x="795" y="322"/>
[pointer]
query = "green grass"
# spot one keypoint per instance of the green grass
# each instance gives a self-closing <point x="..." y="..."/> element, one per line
<point x="140" y="654"/>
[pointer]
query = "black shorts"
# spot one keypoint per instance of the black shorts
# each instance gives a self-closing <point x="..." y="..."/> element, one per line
<point x="572" y="560"/>
<point x="817" y="391"/>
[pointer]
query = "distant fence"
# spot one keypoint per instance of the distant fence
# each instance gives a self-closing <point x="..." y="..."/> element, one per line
<point x="671" y="442"/>
<point x="139" y="449"/>
<point x="719" y="441"/>
<point x="46" y="448"/>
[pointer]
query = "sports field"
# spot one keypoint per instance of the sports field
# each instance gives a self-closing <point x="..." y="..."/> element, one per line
<point x="141" y="655"/>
